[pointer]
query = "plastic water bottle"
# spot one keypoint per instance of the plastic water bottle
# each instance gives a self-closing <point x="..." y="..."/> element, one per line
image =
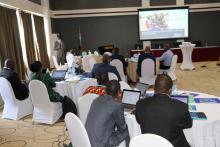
<point x="174" y="90"/>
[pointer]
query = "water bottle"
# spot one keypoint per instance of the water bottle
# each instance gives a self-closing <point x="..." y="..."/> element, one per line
<point x="174" y="90"/>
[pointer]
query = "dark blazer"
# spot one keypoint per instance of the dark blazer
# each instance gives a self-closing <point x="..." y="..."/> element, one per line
<point x="20" y="90"/>
<point x="164" y="116"/>
<point x="122" y="59"/>
<point x="49" y="83"/>
<point x="100" y="67"/>
<point x="143" y="56"/>
<point x="104" y="116"/>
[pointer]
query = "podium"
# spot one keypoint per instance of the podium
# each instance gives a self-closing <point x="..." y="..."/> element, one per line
<point x="187" y="49"/>
<point x="105" y="48"/>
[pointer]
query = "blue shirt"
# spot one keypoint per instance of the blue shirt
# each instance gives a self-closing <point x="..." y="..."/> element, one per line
<point x="166" y="58"/>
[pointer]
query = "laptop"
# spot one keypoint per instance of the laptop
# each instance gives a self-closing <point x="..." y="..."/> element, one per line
<point x="143" y="88"/>
<point x="182" y="98"/>
<point x="59" y="75"/>
<point x="130" y="98"/>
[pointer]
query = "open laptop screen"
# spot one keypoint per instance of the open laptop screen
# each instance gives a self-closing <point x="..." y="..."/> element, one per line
<point x="130" y="96"/>
<point x="142" y="87"/>
<point x="182" y="98"/>
<point x="59" y="74"/>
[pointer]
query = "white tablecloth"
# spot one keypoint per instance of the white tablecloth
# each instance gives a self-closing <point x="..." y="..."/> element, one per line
<point x="187" y="56"/>
<point x="204" y="133"/>
<point x="74" y="89"/>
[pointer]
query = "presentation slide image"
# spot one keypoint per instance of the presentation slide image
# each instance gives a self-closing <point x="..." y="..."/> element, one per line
<point x="174" y="33"/>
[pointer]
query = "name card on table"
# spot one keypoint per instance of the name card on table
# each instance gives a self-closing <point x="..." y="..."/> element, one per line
<point x="207" y="100"/>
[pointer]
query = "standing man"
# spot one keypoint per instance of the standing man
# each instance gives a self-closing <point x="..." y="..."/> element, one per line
<point x="105" y="122"/>
<point x="59" y="49"/>
<point x="162" y="115"/>
<point x="20" y="89"/>
<point x="166" y="58"/>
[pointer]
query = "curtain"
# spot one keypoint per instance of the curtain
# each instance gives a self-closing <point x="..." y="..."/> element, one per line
<point x="10" y="46"/>
<point x="41" y="39"/>
<point x="28" y="36"/>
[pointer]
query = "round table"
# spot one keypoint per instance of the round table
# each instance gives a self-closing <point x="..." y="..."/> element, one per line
<point x="204" y="133"/>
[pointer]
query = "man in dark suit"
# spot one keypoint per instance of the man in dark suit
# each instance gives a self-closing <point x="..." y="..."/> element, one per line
<point x="105" y="66"/>
<point x="20" y="89"/>
<point x="146" y="55"/>
<point x="116" y="55"/>
<point x="105" y="122"/>
<point x="162" y="115"/>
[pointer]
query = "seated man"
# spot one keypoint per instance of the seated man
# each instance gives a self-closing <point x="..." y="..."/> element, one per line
<point x="162" y="115"/>
<point x="20" y="89"/>
<point x="72" y="62"/>
<point x="116" y="55"/>
<point x="105" y="122"/>
<point x="105" y="66"/>
<point x="166" y="58"/>
<point x="147" y="55"/>
<point x="102" y="80"/>
<point x="71" y="59"/>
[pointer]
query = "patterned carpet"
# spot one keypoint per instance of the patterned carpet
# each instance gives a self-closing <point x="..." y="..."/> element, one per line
<point x="23" y="133"/>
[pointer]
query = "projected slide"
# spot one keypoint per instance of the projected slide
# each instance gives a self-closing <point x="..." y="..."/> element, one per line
<point x="163" y="24"/>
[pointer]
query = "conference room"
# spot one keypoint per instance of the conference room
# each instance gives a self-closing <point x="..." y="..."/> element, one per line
<point x="71" y="36"/>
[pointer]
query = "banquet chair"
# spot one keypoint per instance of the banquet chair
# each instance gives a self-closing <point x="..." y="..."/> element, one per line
<point x="92" y="62"/>
<point x="85" y="64"/>
<point x="149" y="140"/>
<point x="86" y="83"/>
<point x="119" y="66"/>
<point x="84" y="104"/>
<point x="112" y="76"/>
<point x="148" y="72"/>
<point x="171" y="70"/>
<point x="58" y="67"/>
<point x="77" y="131"/>
<point x="13" y="108"/>
<point x="45" y="111"/>
<point x="124" y="85"/>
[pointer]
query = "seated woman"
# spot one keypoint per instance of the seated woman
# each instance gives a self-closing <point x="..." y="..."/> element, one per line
<point x="67" y="103"/>
<point x="102" y="79"/>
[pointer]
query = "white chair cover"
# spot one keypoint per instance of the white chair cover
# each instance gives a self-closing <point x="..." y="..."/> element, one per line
<point x="45" y="111"/>
<point x="119" y="66"/>
<point x="84" y="104"/>
<point x="77" y="131"/>
<point x="171" y="71"/>
<point x="147" y="72"/>
<point x="149" y="140"/>
<point x="13" y="108"/>
<point x="85" y="64"/>
<point x="124" y="85"/>
<point x="112" y="76"/>
<point x="92" y="61"/>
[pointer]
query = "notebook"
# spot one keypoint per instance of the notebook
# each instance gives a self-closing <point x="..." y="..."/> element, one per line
<point x="143" y="88"/>
<point x="130" y="98"/>
<point x="59" y="75"/>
